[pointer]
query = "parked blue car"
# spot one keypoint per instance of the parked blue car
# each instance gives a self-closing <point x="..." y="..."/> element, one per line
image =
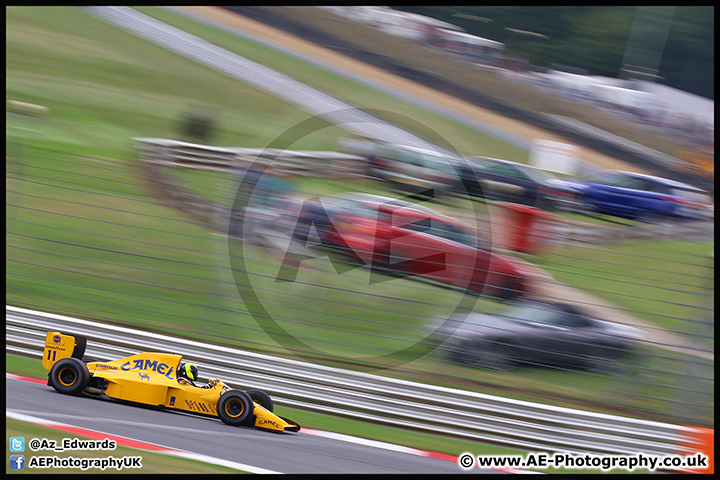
<point x="641" y="197"/>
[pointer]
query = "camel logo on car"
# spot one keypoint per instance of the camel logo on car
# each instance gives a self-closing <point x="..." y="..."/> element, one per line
<point x="140" y="364"/>
<point x="266" y="422"/>
<point x="144" y="377"/>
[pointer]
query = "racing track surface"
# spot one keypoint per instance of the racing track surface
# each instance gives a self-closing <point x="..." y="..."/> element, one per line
<point x="297" y="453"/>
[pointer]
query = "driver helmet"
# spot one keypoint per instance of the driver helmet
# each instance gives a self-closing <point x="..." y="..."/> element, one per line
<point x="188" y="370"/>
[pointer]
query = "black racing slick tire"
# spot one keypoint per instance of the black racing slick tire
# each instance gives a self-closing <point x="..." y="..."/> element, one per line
<point x="69" y="376"/>
<point x="234" y="407"/>
<point x="262" y="398"/>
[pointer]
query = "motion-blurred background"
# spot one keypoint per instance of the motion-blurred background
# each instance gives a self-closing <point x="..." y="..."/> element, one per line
<point x="569" y="186"/>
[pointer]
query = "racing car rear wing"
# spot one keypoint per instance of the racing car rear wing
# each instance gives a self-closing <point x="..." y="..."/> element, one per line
<point x="62" y="345"/>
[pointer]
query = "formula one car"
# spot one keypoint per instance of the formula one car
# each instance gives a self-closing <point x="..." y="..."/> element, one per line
<point x="150" y="379"/>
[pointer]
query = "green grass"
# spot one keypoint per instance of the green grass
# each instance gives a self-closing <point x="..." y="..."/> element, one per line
<point x="347" y="315"/>
<point x="152" y="463"/>
<point x="666" y="283"/>
<point x="104" y="86"/>
<point x="70" y="241"/>
<point x="125" y="256"/>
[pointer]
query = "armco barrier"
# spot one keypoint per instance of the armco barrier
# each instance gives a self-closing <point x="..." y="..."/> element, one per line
<point x="322" y="164"/>
<point x="374" y="398"/>
<point x="319" y="164"/>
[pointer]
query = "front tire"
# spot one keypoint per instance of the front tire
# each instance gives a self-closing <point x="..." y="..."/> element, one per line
<point x="69" y="376"/>
<point x="262" y="398"/>
<point x="234" y="407"/>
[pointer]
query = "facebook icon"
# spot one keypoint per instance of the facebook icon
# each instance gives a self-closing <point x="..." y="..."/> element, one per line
<point x="17" y="462"/>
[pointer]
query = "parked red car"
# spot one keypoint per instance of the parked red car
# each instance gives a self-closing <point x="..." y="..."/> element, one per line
<point x="408" y="238"/>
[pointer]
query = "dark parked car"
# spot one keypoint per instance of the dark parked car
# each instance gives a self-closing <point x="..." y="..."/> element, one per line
<point x="641" y="197"/>
<point x="404" y="237"/>
<point x="413" y="170"/>
<point x="507" y="181"/>
<point x="537" y="333"/>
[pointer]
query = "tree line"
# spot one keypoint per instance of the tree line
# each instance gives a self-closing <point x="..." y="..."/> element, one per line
<point x="597" y="40"/>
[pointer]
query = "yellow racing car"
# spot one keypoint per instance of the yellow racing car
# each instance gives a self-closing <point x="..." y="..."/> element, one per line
<point x="150" y="378"/>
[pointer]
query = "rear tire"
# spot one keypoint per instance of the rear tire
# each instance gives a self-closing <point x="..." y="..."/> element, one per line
<point x="234" y="407"/>
<point x="69" y="376"/>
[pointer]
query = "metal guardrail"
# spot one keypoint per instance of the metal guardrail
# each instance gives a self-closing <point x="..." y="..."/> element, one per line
<point x="374" y="398"/>
<point x="319" y="164"/>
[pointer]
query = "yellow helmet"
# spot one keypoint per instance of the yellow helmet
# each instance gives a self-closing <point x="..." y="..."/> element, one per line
<point x="188" y="370"/>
